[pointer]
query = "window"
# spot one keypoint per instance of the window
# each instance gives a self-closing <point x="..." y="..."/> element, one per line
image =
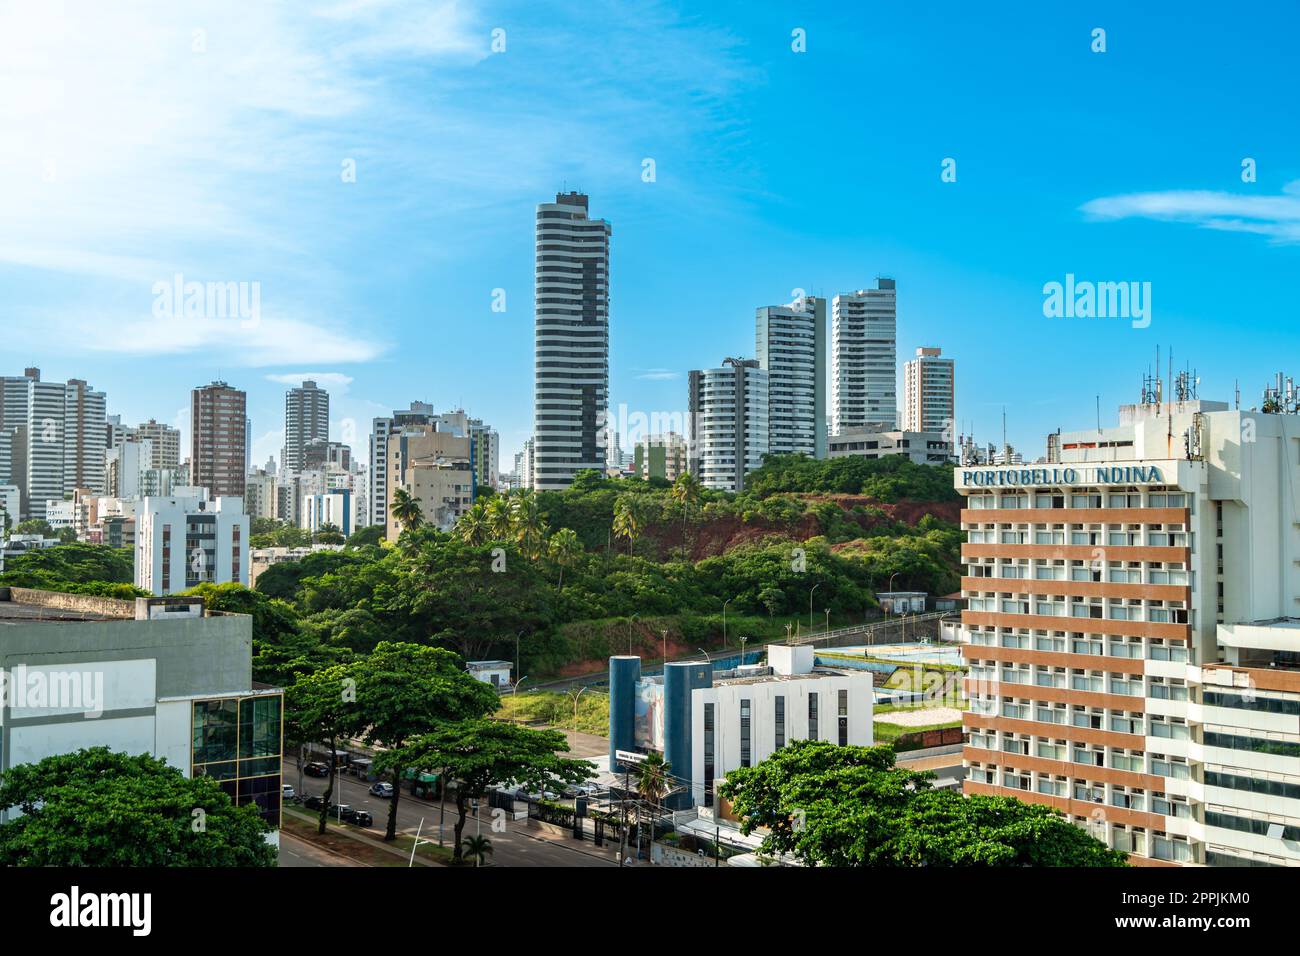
<point x="844" y="717"/>
<point x="780" y="722"/>
<point x="812" y="717"/>
<point x="745" y="750"/>
<point x="708" y="755"/>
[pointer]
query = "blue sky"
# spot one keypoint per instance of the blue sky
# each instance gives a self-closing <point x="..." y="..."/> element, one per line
<point x="209" y="139"/>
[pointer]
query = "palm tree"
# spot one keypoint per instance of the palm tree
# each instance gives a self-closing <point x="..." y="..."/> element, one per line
<point x="565" y="549"/>
<point x="629" y="517"/>
<point x="530" y="527"/>
<point x="477" y="848"/>
<point x="500" y="519"/>
<point x="472" y="528"/>
<point x="652" y="776"/>
<point x="406" y="510"/>
<point x="686" y="492"/>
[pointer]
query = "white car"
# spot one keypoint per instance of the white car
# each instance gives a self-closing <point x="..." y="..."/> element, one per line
<point x="287" y="792"/>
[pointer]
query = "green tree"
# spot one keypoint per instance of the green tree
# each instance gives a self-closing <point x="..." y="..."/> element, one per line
<point x="530" y="526"/>
<point x="565" y="549"/>
<point x="406" y="510"/>
<point x="371" y="535"/>
<point x="473" y="527"/>
<point x="328" y="533"/>
<point x="321" y="707"/>
<point x="98" y="808"/>
<point x="851" y="806"/>
<point x="35" y="526"/>
<point x="629" y="518"/>
<point x="500" y="519"/>
<point x="404" y="690"/>
<point x="478" y="754"/>
<point x="477" y="848"/>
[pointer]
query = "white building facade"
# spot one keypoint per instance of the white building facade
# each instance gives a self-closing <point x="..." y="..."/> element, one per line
<point x="864" y="362"/>
<point x="188" y="539"/>
<point x="729" y="422"/>
<point x="1134" y="634"/>
<point x="790" y="343"/>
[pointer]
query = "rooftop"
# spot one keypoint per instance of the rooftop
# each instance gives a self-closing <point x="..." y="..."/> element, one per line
<point x="27" y="606"/>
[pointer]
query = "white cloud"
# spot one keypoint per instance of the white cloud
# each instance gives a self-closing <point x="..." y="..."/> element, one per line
<point x="335" y="382"/>
<point x="1275" y="216"/>
<point x="658" y="374"/>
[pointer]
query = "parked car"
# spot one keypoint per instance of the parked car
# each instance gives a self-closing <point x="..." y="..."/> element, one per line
<point x="288" y="793"/>
<point x="316" y="769"/>
<point x="313" y="802"/>
<point x="381" y="789"/>
<point x="349" y="814"/>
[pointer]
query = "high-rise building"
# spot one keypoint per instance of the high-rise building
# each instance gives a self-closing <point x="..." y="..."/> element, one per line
<point x="864" y="363"/>
<point x="56" y="434"/>
<point x="928" y="393"/>
<point x="1132" y="636"/>
<point x="164" y="441"/>
<point x="218" y="440"/>
<point x="571" y="385"/>
<point x="729" y="423"/>
<point x="791" y="346"/>
<point x="306" y="421"/>
<point x="85" y="437"/>
<point x="434" y="468"/>
<point x="419" y="413"/>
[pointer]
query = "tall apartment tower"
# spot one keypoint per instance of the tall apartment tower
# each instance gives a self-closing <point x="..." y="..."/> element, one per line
<point x="928" y="393"/>
<point x="1132" y="637"/>
<point x="85" y="416"/>
<point x="864" y="364"/>
<point x="571" y="384"/>
<point x="57" y="433"/>
<point x="306" y="420"/>
<point x="164" y="440"/>
<point x="729" y="434"/>
<point x="218" y="439"/>
<point x="790" y="343"/>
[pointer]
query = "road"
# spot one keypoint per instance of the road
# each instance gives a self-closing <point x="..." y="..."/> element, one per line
<point x="518" y="845"/>
<point x="295" y="852"/>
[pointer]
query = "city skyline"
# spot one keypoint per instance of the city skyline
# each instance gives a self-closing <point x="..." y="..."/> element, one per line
<point x="1030" y="205"/>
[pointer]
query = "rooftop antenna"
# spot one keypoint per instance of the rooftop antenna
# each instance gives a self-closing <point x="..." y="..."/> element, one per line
<point x="1236" y="388"/>
<point x="1098" y="411"/>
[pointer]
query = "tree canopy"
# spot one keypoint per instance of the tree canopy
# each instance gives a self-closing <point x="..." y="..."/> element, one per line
<point x="98" y="808"/>
<point x="852" y="806"/>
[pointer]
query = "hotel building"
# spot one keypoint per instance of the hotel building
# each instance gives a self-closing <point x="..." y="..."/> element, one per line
<point x="1133" y="633"/>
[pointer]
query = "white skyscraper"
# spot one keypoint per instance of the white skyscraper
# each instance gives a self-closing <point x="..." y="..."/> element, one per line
<point x="729" y="422"/>
<point x="928" y="404"/>
<point x="571" y="384"/>
<point x="790" y="343"/>
<point x="306" y="420"/>
<point x="864" y="363"/>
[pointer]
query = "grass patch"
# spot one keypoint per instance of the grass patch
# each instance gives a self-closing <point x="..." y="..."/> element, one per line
<point x="556" y="710"/>
<point x="888" y="733"/>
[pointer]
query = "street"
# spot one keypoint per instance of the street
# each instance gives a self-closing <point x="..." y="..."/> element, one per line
<point x="518" y="845"/>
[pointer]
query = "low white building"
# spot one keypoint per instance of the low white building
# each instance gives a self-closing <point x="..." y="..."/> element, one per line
<point x="188" y="539"/>
<point x="496" y="673"/>
<point x="707" y="723"/>
<point x="335" y="507"/>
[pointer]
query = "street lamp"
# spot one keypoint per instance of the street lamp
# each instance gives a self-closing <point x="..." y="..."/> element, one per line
<point x="517" y="683"/>
<point x="810" y="602"/>
<point x="517" y="633"/>
<point x="724" y="620"/>
<point x="575" y="707"/>
<point x="664" y="632"/>
<point x="743" y="639"/>
<point x="828" y="620"/>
